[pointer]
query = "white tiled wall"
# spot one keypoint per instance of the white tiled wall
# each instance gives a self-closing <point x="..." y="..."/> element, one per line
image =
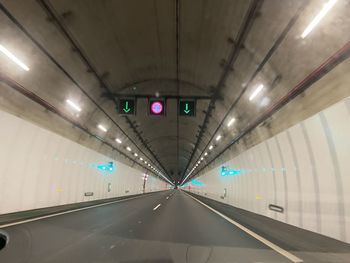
<point x="39" y="168"/>
<point x="305" y="169"/>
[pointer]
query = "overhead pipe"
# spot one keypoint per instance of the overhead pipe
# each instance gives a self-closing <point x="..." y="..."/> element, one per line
<point x="327" y="66"/>
<point x="92" y="69"/>
<point x="267" y="57"/>
<point x="34" y="97"/>
<point x="242" y="35"/>
<point x="177" y="30"/>
<point x="21" y="27"/>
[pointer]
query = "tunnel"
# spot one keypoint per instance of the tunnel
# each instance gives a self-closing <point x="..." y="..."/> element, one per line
<point x="174" y="131"/>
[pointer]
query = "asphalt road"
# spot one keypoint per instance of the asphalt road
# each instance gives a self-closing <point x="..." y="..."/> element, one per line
<point x="162" y="227"/>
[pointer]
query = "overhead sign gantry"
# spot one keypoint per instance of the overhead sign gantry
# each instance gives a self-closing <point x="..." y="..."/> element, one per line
<point x="186" y="106"/>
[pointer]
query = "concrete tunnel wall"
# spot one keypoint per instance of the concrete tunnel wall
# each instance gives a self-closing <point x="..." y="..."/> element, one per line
<point x="41" y="169"/>
<point x="304" y="169"/>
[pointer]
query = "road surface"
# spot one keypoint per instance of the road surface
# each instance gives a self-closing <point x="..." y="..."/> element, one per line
<point x="162" y="227"/>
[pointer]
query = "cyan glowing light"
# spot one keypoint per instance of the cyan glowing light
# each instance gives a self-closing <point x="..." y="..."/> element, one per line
<point x="231" y="172"/>
<point x="197" y="182"/>
<point x="109" y="167"/>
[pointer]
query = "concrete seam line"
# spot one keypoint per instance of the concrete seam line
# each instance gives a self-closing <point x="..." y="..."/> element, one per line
<point x="276" y="248"/>
<point x="66" y="212"/>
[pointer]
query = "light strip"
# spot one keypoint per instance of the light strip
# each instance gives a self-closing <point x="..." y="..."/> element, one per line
<point x="73" y="105"/>
<point x="218" y="138"/>
<point x="13" y="58"/>
<point x="326" y="7"/>
<point x="102" y="128"/>
<point x="256" y="92"/>
<point x="118" y="140"/>
<point x="231" y="122"/>
<point x="128" y="148"/>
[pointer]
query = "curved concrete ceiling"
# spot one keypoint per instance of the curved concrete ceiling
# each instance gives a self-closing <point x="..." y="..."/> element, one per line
<point x="93" y="51"/>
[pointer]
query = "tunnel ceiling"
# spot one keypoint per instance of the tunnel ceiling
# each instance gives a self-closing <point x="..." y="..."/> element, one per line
<point x="94" y="51"/>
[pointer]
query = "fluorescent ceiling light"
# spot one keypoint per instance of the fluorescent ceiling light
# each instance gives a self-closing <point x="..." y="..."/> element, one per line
<point x="205" y="154"/>
<point x="256" y="92"/>
<point x="231" y="122"/>
<point x="145" y="162"/>
<point x="135" y="154"/>
<point x="202" y="158"/>
<point x="211" y="147"/>
<point x="218" y="138"/>
<point x="13" y="58"/>
<point x="73" y="105"/>
<point x="118" y="140"/>
<point x="128" y="148"/>
<point x="141" y="159"/>
<point x="326" y="7"/>
<point x="102" y="128"/>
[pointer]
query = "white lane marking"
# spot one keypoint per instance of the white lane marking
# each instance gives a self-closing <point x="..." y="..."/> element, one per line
<point x="156" y="207"/>
<point x="278" y="249"/>
<point x="66" y="212"/>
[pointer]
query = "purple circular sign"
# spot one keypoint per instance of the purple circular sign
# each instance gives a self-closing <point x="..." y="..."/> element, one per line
<point x="156" y="107"/>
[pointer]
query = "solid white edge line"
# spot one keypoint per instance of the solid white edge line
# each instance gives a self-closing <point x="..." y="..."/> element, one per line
<point x="66" y="212"/>
<point x="276" y="248"/>
<point x="156" y="207"/>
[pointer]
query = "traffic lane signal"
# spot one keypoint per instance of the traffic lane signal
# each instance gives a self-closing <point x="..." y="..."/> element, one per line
<point x="156" y="107"/>
<point x="127" y="106"/>
<point x="187" y="107"/>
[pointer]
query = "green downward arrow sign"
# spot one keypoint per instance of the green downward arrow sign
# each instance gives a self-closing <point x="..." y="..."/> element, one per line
<point x="186" y="110"/>
<point x="126" y="109"/>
